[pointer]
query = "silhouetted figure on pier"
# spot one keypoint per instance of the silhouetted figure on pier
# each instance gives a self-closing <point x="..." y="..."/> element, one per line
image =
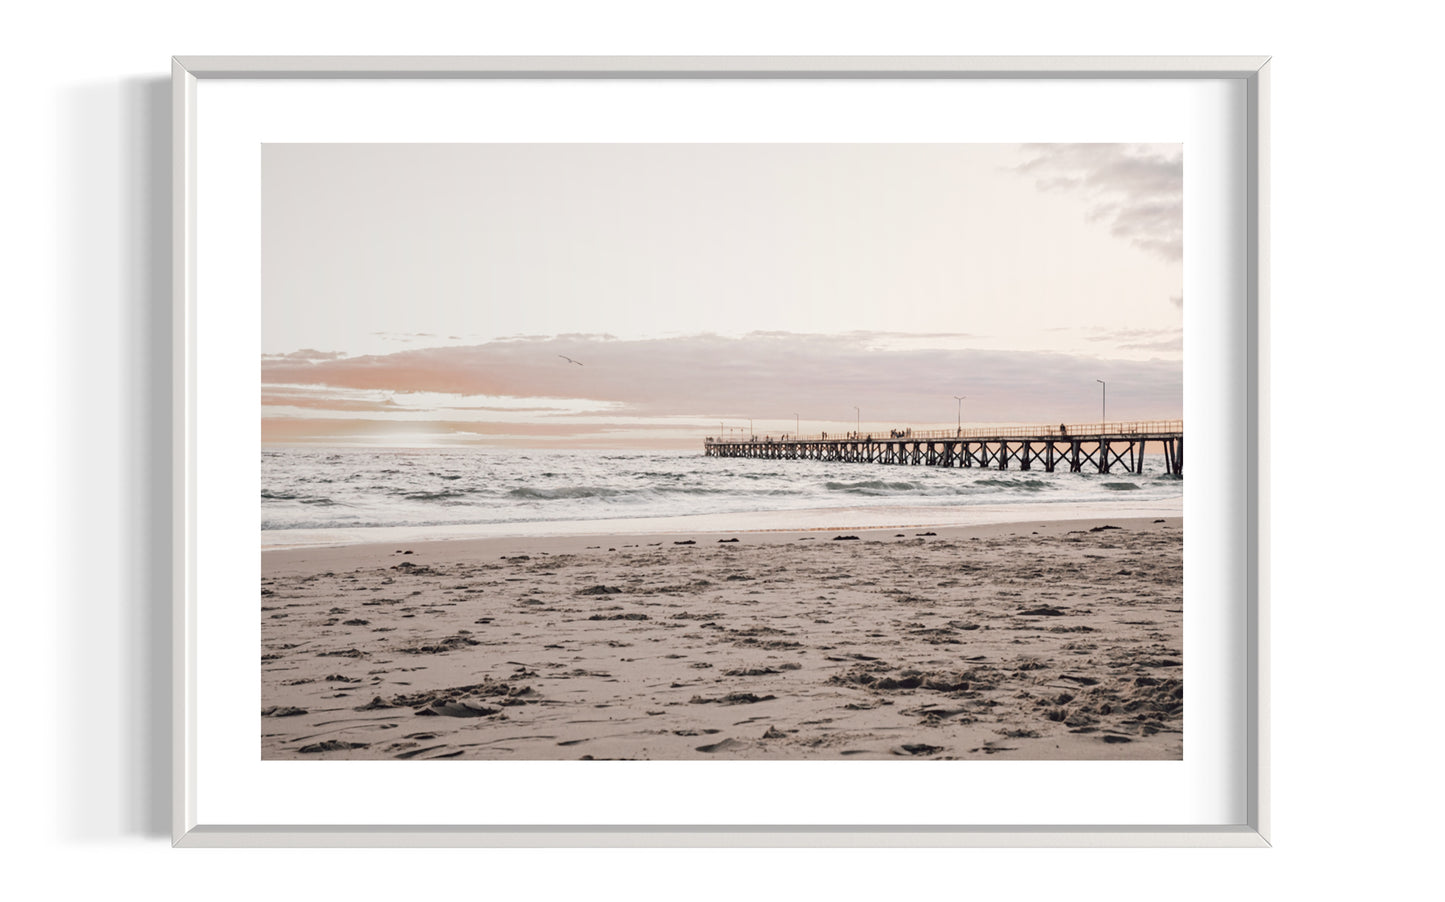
<point x="1063" y="430"/>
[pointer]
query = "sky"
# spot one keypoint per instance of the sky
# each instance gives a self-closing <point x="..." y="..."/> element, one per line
<point x="433" y="294"/>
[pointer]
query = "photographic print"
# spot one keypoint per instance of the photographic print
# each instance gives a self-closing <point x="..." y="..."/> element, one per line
<point x="723" y="451"/>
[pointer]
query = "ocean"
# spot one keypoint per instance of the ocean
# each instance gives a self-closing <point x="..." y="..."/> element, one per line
<point x="340" y="496"/>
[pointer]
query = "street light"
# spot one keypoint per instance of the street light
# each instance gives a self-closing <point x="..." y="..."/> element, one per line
<point x="1104" y="408"/>
<point x="796" y="429"/>
<point x="858" y="422"/>
<point x="960" y="399"/>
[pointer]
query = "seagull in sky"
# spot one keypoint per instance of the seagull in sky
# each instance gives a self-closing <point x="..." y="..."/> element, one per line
<point x="568" y="359"/>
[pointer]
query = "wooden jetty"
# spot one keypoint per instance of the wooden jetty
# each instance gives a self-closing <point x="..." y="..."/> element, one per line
<point x="1101" y="447"/>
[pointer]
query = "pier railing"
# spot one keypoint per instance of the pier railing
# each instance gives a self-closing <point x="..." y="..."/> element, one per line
<point x="1059" y="431"/>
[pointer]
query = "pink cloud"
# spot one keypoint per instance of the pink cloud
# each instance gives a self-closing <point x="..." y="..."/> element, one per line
<point x="766" y="376"/>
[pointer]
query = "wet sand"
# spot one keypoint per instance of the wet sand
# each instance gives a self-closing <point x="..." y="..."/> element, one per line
<point x="1057" y="640"/>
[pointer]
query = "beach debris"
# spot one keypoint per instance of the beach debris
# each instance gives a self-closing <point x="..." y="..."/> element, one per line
<point x="280" y="711"/>
<point x="377" y="702"/>
<point x="732" y="698"/>
<point x="933" y="715"/>
<point x="874" y="676"/>
<point x="845" y="538"/>
<point x="631" y="615"/>
<point x="725" y="745"/>
<point x="917" y="748"/>
<point x="724" y="541"/>
<point x="600" y="590"/>
<point x="456" y="708"/>
<point x="1043" y="611"/>
<point x="440" y="646"/>
<point x="765" y="644"/>
<point x="758" y="629"/>
<point x="449" y="701"/>
<point x="774" y="733"/>
<point x="925" y="533"/>
<point x="1104" y="527"/>
<point x="332" y="745"/>
<point x="685" y="542"/>
<point x="935" y="635"/>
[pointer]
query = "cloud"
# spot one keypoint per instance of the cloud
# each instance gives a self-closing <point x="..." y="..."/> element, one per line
<point x="309" y="430"/>
<point x="311" y="399"/>
<point x="306" y="354"/>
<point x="765" y="376"/>
<point x="1161" y="340"/>
<point x="1137" y="189"/>
<point x="1172" y="345"/>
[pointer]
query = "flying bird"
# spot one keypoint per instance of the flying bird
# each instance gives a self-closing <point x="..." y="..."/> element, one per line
<point x="568" y="359"/>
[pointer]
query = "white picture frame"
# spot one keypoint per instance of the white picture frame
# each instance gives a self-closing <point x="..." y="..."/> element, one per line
<point x="1248" y="571"/>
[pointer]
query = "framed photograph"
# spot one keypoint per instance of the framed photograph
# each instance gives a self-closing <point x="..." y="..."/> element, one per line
<point x="721" y="451"/>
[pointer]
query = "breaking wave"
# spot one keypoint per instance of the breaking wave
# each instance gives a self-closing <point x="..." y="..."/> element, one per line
<point x="441" y="487"/>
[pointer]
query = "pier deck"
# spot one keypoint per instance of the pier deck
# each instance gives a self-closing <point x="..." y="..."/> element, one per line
<point x="1101" y="447"/>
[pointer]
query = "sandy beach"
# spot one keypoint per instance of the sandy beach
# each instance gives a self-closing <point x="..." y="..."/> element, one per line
<point x="1052" y="640"/>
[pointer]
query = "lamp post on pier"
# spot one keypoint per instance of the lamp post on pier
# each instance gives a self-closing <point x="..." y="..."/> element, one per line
<point x="857" y="422"/>
<point x="797" y="430"/>
<point x="1104" y="405"/>
<point x="960" y="399"/>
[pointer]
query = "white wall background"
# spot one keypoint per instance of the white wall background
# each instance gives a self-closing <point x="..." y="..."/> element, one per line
<point x="1357" y="295"/>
